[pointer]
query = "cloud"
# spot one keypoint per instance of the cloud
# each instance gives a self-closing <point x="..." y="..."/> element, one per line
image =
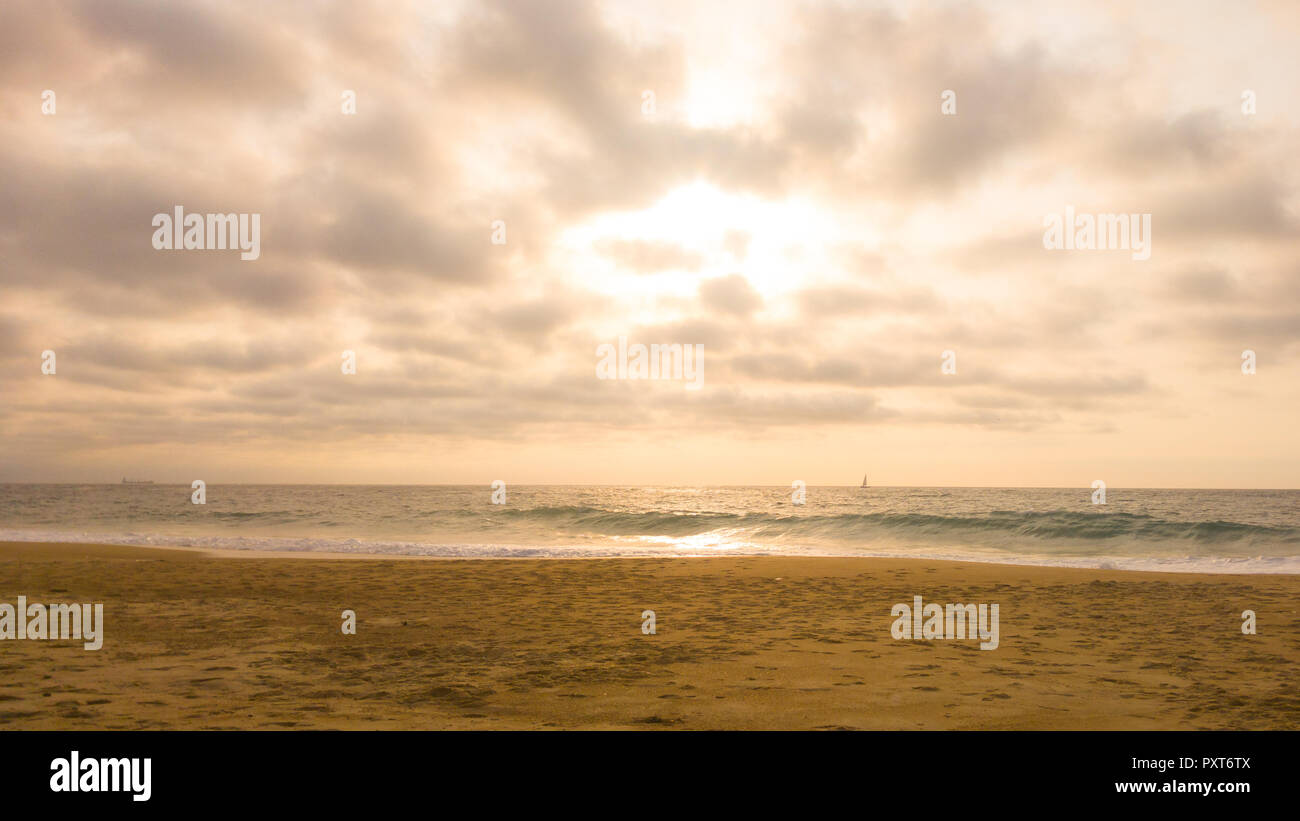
<point x="863" y="231"/>
<point x="649" y="257"/>
<point x="731" y="294"/>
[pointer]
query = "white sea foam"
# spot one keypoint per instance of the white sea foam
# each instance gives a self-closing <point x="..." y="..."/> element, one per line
<point x="651" y="547"/>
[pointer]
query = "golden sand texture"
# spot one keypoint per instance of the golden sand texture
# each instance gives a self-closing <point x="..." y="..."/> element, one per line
<point x="199" y="640"/>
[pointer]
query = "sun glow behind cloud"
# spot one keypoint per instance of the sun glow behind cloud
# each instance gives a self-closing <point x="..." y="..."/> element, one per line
<point x="785" y="242"/>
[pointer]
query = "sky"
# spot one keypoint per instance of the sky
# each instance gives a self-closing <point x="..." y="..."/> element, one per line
<point x="473" y="198"/>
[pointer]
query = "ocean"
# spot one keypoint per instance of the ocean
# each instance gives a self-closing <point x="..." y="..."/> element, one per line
<point x="1219" y="531"/>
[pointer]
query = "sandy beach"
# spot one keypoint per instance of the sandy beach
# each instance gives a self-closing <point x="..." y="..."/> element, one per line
<point x="207" y="640"/>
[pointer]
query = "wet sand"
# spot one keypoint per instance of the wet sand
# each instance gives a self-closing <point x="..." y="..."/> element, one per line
<point x="198" y="640"/>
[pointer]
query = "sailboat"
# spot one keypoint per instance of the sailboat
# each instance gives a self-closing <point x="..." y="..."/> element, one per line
<point x="864" y="480"/>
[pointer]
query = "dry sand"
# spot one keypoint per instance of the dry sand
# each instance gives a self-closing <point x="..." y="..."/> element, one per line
<point x="202" y="640"/>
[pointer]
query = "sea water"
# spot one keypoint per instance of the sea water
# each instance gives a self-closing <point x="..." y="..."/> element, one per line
<point x="1222" y="531"/>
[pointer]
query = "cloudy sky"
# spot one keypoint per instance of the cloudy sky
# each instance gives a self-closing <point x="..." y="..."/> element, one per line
<point x="789" y="195"/>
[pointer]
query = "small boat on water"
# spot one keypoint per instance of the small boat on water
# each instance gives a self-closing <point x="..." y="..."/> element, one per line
<point x="864" y="480"/>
